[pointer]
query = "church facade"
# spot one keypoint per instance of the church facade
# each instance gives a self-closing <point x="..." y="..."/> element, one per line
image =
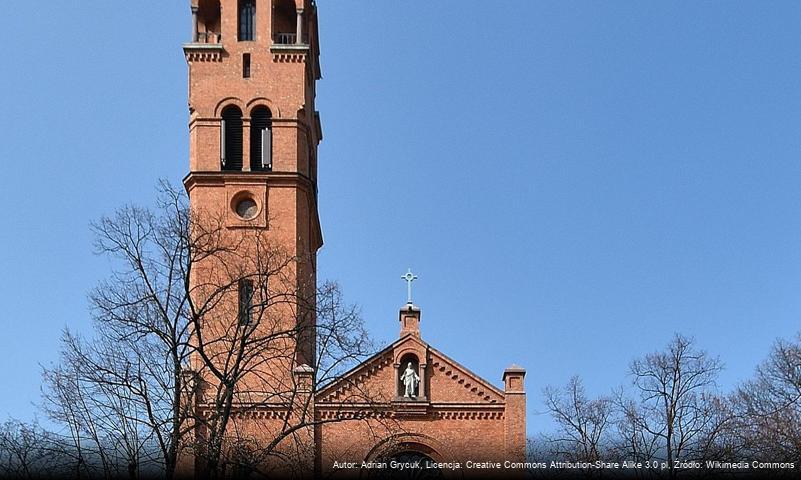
<point x="445" y="415"/>
<point x="253" y="133"/>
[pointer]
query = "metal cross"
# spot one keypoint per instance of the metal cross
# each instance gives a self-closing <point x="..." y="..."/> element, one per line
<point x="409" y="277"/>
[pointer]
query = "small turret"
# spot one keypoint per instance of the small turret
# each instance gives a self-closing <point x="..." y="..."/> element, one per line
<point x="409" y="318"/>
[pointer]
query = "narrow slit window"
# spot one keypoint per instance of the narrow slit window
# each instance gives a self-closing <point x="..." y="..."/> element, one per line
<point x="245" y="301"/>
<point x="246" y="65"/>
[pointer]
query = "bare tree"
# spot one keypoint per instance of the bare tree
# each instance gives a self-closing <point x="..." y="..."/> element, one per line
<point x="768" y="406"/>
<point x="242" y="367"/>
<point x="583" y="423"/>
<point x="632" y="440"/>
<point x="181" y="360"/>
<point x="143" y="308"/>
<point x="119" y="394"/>
<point x="104" y="394"/>
<point x="675" y="418"/>
<point x="66" y="401"/>
<point x="676" y="415"/>
<point x="27" y="451"/>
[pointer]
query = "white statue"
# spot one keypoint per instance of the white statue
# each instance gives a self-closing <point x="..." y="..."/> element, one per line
<point x="410" y="380"/>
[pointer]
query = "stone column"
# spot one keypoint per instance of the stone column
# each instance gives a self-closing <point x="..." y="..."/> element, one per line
<point x="396" y="367"/>
<point x="423" y="392"/>
<point x="299" y="27"/>
<point x="194" y="23"/>
<point x="246" y="141"/>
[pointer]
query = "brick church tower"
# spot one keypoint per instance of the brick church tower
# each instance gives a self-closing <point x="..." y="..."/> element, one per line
<point x="254" y="130"/>
<point x="252" y="185"/>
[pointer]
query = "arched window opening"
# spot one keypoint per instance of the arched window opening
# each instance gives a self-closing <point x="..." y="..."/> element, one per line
<point x="247" y="20"/>
<point x="285" y="22"/>
<point x="261" y="139"/>
<point x="208" y="21"/>
<point x="409" y="375"/>
<point x="231" y="138"/>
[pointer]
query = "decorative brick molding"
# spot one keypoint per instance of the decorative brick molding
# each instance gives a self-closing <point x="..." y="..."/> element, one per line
<point x="466" y="380"/>
<point x="365" y="371"/>
<point x="203" y="52"/>
<point x="289" y="53"/>
<point x="289" y="57"/>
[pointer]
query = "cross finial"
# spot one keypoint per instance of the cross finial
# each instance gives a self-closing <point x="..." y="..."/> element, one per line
<point x="409" y="278"/>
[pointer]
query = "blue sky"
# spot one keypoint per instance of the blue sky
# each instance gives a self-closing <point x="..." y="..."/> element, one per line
<point x="572" y="181"/>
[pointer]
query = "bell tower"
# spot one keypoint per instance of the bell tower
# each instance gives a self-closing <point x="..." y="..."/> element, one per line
<point x="254" y="130"/>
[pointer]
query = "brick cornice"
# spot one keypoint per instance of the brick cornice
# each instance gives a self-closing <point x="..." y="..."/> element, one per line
<point x="220" y="178"/>
<point x="276" y="122"/>
<point x="289" y="53"/>
<point x="445" y="411"/>
<point x="203" y="52"/>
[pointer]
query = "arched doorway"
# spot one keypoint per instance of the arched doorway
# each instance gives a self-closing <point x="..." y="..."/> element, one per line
<point x="408" y="458"/>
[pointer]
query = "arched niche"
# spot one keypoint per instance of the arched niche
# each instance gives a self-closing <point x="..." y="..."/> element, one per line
<point x="407" y="359"/>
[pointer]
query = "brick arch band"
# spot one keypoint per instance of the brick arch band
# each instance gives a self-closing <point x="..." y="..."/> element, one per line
<point x="247" y="107"/>
<point x="416" y="350"/>
<point x="389" y="446"/>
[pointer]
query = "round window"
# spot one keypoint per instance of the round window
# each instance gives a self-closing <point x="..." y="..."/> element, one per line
<point x="247" y="208"/>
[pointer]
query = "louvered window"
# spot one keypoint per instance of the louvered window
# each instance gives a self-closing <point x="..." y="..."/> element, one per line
<point x="247" y="20"/>
<point x="261" y="139"/>
<point x="231" y="138"/>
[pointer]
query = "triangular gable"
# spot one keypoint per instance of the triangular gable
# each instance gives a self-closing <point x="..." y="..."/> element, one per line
<point x="450" y="381"/>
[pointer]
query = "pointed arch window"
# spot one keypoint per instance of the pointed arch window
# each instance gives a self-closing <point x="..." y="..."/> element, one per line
<point x="261" y="139"/>
<point x="247" y="20"/>
<point x="231" y="138"/>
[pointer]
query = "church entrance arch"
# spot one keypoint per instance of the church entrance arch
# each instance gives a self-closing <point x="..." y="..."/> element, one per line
<point x="408" y="449"/>
<point x="409" y="465"/>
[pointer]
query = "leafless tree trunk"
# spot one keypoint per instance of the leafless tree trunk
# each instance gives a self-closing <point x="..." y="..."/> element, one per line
<point x="676" y="403"/>
<point x="143" y="308"/>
